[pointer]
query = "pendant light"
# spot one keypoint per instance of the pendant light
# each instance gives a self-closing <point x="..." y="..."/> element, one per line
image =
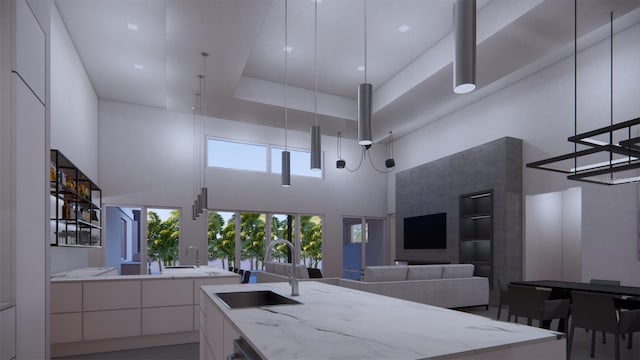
<point x="464" y="55"/>
<point x="286" y="155"/>
<point x="390" y="162"/>
<point x="204" y="191"/>
<point x="316" y="148"/>
<point x="365" y="95"/>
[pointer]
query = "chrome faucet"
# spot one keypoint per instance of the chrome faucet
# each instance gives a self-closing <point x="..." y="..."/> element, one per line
<point x="197" y="254"/>
<point x="292" y="274"/>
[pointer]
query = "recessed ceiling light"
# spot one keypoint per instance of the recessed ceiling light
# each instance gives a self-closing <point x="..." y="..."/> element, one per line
<point x="360" y="68"/>
<point x="287" y="48"/>
<point x="138" y="66"/>
<point x="133" y="27"/>
<point x="404" y="28"/>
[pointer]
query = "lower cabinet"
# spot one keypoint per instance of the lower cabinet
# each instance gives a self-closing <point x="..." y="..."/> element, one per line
<point x="111" y="324"/>
<point x="219" y="334"/>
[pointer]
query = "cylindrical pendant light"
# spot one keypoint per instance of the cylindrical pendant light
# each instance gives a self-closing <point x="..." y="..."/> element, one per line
<point x="365" y="94"/>
<point x="205" y="194"/>
<point x="464" y="56"/>
<point x="316" y="153"/>
<point x="316" y="146"/>
<point x="286" y="168"/>
<point x="285" y="179"/>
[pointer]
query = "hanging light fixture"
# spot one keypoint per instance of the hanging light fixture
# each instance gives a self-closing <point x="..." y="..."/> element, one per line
<point x="204" y="192"/>
<point x="621" y="158"/>
<point x="316" y="147"/>
<point x="286" y="155"/>
<point x="340" y="163"/>
<point x="365" y="96"/>
<point x="464" y="55"/>
<point x="389" y="163"/>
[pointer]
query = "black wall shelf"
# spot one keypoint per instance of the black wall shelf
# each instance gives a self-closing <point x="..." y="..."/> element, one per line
<point x="75" y="205"/>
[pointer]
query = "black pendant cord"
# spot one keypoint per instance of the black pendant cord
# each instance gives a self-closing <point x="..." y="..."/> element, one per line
<point x="611" y="94"/>
<point x="575" y="82"/>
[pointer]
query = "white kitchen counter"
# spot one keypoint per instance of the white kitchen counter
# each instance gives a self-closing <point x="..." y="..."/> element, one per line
<point x="95" y="274"/>
<point x="336" y="322"/>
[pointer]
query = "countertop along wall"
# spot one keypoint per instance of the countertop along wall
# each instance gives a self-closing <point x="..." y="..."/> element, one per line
<point x="539" y="110"/>
<point x="146" y="159"/>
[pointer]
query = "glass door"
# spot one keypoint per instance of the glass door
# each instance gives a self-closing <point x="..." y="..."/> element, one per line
<point x="362" y="245"/>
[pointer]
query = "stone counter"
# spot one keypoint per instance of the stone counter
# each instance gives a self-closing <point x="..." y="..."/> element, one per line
<point x="340" y="323"/>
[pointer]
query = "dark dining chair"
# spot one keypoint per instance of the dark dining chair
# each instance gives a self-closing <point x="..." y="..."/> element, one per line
<point x="504" y="297"/>
<point x="246" y="275"/>
<point x="534" y="304"/>
<point x="314" y="273"/>
<point x="605" y="282"/>
<point x="597" y="312"/>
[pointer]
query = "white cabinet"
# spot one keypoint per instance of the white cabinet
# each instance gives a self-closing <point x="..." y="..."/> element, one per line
<point x="66" y="327"/>
<point x="7" y="337"/>
<point x="110" y="295"/>
<point x="30" y="50"/>
<point x="66" y="297"/>
<point x="167" y="292"/>
<point x="170" y="319"/>
<point x="219" y="331"/>
<point x="111" y="324"/>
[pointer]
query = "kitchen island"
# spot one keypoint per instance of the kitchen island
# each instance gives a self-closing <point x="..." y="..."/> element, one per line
<point x="95" y="311"/>
<point x="339" y="323"/>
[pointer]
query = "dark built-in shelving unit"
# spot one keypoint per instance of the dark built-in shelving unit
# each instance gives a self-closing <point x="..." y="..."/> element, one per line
<point x="75" y="205"/>
<point x="476" y="232"/>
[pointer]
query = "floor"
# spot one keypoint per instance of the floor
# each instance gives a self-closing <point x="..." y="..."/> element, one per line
<point x="581" y="346"/>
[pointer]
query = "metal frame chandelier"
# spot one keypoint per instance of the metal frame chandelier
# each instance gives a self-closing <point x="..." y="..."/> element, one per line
<point x="612" y="154"/>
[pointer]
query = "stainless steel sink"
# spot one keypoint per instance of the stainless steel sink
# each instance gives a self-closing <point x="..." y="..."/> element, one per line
<point x="246" y="299"/>
<point x="180" y="267"/>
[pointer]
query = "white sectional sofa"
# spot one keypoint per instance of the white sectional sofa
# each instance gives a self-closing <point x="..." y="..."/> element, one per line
<point x="450" y="286"/>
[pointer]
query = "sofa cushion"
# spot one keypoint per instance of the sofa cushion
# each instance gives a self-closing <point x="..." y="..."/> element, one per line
<point x="457" y="271"/>
<point x="384" y="273"/>
<point x="424" y="272"/>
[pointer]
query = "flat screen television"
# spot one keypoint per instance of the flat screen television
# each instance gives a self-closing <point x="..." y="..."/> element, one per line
<point x="426" y="231"/>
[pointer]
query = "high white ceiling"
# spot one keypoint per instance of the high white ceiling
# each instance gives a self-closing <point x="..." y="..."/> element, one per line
<point x="410" y="71"/>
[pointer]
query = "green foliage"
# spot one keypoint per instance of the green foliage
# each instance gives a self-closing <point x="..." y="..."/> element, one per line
<point x="163" y="237"/>
<point x="311" y="240"/>
<point x="221" y="239"/>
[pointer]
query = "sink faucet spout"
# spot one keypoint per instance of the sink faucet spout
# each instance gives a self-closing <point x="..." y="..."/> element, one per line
<point x="191" y="247"/>
<point x="292" y="273"/>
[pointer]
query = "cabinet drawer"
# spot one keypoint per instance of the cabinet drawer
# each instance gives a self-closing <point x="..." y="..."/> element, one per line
<point x="66" y="297"/>
<point x="167" y="292"/>
<point x="167" y="320"/>
<point x="111" y="324"/>
<point x="111" y="295"/>
<point x="66" y="327"/>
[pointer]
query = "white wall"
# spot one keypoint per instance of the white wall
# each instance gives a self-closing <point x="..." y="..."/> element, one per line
<point x="74" y="127"/>
<point x="146" y="159"/>
<point x="539" y="110"/>
<point x="553" y="226"/>
<point x="74" y="104"/>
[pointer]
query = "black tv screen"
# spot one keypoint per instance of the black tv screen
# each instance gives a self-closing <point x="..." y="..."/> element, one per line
<point x="426" y="232"/>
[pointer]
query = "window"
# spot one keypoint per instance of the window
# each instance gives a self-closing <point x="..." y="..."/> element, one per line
<point x="356" y="233"/>
<point x="255" y="157"/>
<point x="234" y="155"/>
<point x="163" y="235"/>
<point x="300" y="161"/>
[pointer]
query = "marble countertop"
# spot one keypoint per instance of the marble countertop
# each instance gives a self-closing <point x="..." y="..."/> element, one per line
<point x="85" y="275"/>
<point x="84" y="272"/>
<point x="341" y="323"/>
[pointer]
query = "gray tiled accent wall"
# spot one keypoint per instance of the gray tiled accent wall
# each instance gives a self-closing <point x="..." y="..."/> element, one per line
<point x="436" y="187"/>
